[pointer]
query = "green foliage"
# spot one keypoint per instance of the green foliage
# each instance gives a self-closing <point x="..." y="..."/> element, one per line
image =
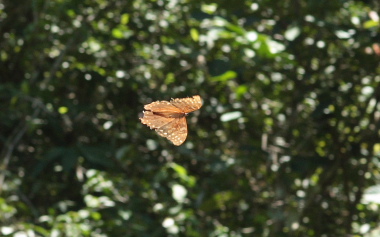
<point x="286" y="143"/>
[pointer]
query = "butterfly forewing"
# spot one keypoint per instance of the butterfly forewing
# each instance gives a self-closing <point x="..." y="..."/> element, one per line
<point x="162" y="107"/>
<point x="188" y="105"/>
<point x="168" y="118"/>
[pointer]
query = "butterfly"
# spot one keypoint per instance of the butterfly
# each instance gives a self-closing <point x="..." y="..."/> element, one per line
<point x="169" y="118"/>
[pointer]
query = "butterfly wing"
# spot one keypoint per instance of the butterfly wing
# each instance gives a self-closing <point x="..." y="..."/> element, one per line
<point x="168" y="118"/>
<point x="155" y="121"/>
<point x="187" y="105"/>
<point x="162" y="107"/>
<point x="175" y="131"/>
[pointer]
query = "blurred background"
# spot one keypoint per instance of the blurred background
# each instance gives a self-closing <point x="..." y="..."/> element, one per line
<point x="286" y="143"/>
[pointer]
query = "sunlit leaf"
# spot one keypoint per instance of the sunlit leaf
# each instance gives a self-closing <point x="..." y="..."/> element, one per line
<point x="228" y="75"/>
<point x="209" y="8"/>
<point x="63" y="110"/>
<point x="372" y="195"/>
<point x="182" y="174"/>
<point x="230" y="116"/>
<point x="124" y="19"/>
<point x="292" y="33"/>
<point x="370" y="24"/>
<point x="194" y="34"/>
<point x="179" y="192"/>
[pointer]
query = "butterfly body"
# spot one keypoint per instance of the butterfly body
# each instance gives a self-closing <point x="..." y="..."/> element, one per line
<point x="170" y="115"/>
<point x="169" y="118"/>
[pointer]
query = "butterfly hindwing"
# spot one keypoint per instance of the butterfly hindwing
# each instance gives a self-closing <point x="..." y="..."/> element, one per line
<point x="175" y="131"/>
<point x="154" y="121"/>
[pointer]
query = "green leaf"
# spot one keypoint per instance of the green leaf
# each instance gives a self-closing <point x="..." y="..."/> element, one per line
<point x="371" y="24"/>
<point x="182" y="174"/>
<point x="95" y="154"/>
<point x="194" y="34"/>
<point x="117" y="33"/>
<point x="229" y="75"/>
<point x="241" y="90"/>
<point x="124" y="19"/>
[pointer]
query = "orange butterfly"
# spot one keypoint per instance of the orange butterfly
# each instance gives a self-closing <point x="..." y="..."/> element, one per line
<point x="169" y="118"/>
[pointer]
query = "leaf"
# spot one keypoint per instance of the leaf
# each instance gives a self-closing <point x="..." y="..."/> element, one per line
<point x="241" y="90"/>
<point x="230" y="116"/>
<point x="372" y="195"/>
<point x="182" y="174"/>
<point x="194" y="34"/>
<point x="66" y="156"/>
<point x="122" y="32"/>
<point x="229" y="75"/>
<point x="96" y="155"/>
<point x="371" y="24"/>
<point x="292" y="33"/>
<point x="124" y="19"/>
<point x="122" y="151"/>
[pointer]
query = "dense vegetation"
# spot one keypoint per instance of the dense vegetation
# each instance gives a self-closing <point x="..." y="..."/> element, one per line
<point x="286" y="143"/>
